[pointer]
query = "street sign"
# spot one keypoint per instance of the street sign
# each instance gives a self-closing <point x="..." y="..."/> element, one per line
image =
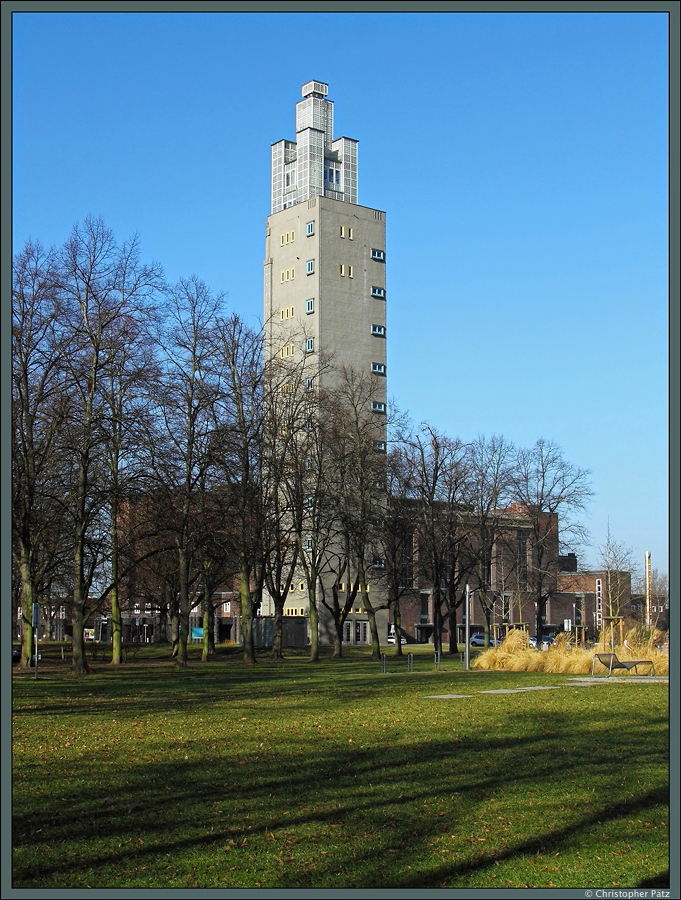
<point x="36" y="615"/>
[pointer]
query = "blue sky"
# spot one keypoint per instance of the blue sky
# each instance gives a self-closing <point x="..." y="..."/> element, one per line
<point x="521" y="160"/>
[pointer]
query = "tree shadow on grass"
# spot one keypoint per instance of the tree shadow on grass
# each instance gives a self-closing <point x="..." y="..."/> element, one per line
<point x="391" y="798"/>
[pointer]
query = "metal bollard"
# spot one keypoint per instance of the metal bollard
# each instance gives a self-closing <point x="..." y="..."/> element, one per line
<point x="437" y="659"/>
<point x="410" y="662"/>
<point x="382" y="662"/>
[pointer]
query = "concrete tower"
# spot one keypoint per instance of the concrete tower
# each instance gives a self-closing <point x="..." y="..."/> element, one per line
<point x="324" y="254"/>
<point x="324" y="268"/>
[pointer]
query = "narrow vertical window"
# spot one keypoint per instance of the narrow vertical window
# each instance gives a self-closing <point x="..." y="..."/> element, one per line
<point x="309" y="305"/>
<point x="342" y="231"/>
<point x="350" y="233"/>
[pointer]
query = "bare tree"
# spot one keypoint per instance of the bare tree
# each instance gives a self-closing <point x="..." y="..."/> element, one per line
<point x="398" y="557"/>
<point x="617" y="562"/>
<point x="545" y="487"/>
<point x="441" y="491"/>
<point x="490" y="461"/>
<point x="39" y="528"/>
<point x="283" y="437"/>
<point x="238" y="416"/>
<point x="185" y="402"/>
<point x="356" y="440"/>
<point x="98" y="296"/>
<point x="125" y="388"/>
<point x="311" y="501"/>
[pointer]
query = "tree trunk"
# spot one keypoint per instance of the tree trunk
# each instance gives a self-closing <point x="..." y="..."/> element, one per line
<point x="174" y="631"/>
<point x="116" y="626"/>
<point x="437" y="622"/>
<point x="183" y="612"/>
<point x="116" y="642"/>
<point x="79" y="661"/>
<point x="27" y="599"/>
<point x="453" y="643"/>
<point x="373" y="628"/>
<point x="116" y="629"/>
<point x="314" y="625"/>
<point x="247" y="616"/>
<point x="337" y="638"/>
<point x="278" y="638"/>
<point x="205" y="648"/>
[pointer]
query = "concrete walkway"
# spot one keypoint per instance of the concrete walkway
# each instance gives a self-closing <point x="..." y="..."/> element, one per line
<point x="575" y="681"/>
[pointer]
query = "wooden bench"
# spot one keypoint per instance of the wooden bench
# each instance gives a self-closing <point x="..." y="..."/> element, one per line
<point x="610" y="661"/>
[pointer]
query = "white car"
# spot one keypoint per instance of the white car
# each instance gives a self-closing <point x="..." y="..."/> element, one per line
<point x="391" y="639"/>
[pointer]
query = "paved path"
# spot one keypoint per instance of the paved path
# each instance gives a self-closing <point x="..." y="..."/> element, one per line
<point x="575" y="681"/>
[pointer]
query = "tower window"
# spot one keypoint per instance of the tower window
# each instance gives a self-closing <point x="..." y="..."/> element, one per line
<point x="351" y="273"/>
<point x="342" y="269"/>
<point x="309" y="267"/>
<point x="377" y="292"/>
<point x="376" y="406"/>
<point x="350" y="233"/>
<point x="309" y="345"/>
<point x="309" y="305"/>
<point x="342" y="231"/>
<point x="379" y="446"/>
<point x="378" y="368"/>
<point x="378" y="255"/>
<point x="309" y="229"/>
<point x="308" y="384"/>
<point x="378" y="330"/>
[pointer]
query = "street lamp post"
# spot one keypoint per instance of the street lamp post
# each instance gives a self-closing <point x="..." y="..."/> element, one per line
<point x="467" y="632"/>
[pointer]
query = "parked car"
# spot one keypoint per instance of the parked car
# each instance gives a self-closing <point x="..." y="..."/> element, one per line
<point x="478" y="640"/>
<point x="16" y="654"/>
<point x="546" y="641"/>
<point x="391" y="639"/>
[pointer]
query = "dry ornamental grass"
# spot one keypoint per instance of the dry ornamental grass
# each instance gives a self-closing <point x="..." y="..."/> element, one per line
<point x="566" y="657"/>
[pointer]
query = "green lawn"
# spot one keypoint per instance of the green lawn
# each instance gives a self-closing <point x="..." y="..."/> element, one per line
<point x="336" y="775"/>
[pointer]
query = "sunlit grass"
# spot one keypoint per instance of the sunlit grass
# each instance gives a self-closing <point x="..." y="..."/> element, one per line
<point x="292" y="775"/>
